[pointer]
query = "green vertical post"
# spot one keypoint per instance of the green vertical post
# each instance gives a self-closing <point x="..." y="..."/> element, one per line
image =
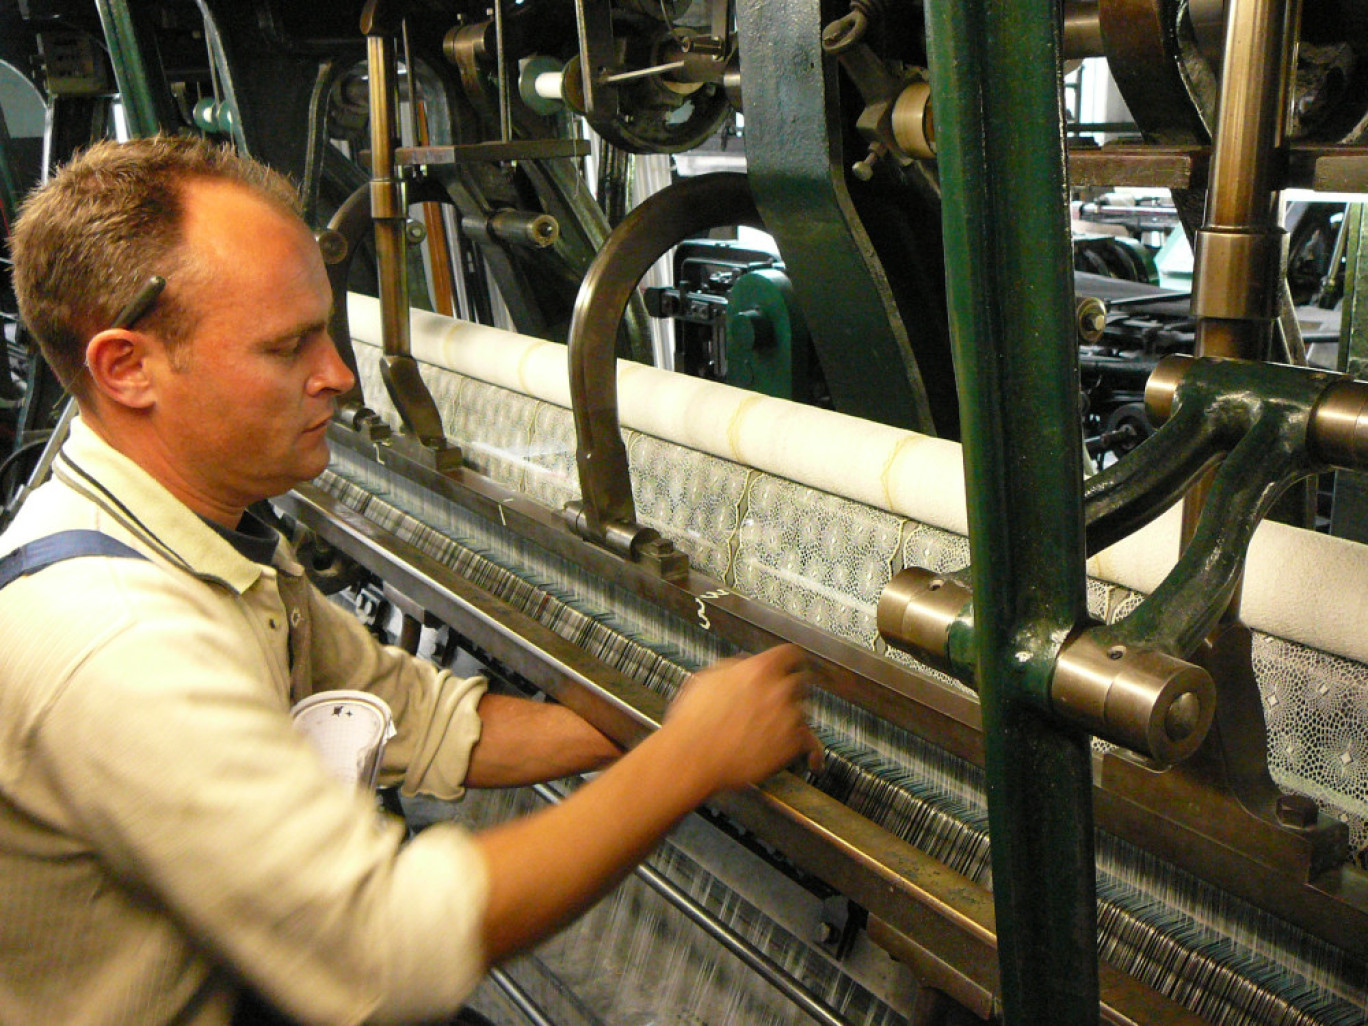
<point x="9" y="183"/>
<point x="1000" y="141"/>
<point x="1349" y="514"/>
<point x="145" y="116"/>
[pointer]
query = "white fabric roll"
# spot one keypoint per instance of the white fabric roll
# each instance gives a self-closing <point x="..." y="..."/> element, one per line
<point x="899" y="471"/>
<point x="1299" y="585"/>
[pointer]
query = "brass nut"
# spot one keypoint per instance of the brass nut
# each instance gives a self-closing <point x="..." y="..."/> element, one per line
<point x="1296" y="811"/>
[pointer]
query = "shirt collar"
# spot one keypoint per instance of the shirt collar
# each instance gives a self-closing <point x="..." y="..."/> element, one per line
<point x="142" y="504"/>
<point x="253" y="537"/>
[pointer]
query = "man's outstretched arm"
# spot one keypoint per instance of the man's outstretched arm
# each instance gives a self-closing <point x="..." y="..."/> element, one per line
<point x="523" y="742"/>
<point x="732" y="725"/>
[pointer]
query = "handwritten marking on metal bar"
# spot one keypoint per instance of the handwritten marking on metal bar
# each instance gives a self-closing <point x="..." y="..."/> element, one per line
<point x="703" y="620"/>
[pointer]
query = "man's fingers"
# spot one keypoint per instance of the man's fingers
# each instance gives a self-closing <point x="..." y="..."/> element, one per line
<point x="816" y="754"/>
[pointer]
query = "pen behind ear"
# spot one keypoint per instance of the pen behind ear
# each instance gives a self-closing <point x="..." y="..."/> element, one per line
<point x="143" y="300"/>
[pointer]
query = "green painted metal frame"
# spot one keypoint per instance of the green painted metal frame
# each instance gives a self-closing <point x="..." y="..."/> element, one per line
<point x="1349" y="516"/>
<point x="798" y="175"/>
<point x="995" y="85"/>
<point x="146" y="112"/>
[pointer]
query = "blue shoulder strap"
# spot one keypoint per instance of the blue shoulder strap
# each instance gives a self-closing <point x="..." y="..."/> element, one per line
<point x="30" y="558"/>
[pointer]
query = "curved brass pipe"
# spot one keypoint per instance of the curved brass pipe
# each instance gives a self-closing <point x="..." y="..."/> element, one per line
<point x="350" y="226"/>
<point x="607" y="512"/>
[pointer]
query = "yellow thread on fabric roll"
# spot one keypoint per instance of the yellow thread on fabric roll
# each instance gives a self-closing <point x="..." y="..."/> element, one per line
<point x="734" y="425"/>
<point x="523" y="382"/>
<point x="449" y="343"/>
<point x="886" y="475"/>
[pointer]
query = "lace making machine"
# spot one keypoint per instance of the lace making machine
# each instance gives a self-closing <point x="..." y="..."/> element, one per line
<point x="1095" y="744"/>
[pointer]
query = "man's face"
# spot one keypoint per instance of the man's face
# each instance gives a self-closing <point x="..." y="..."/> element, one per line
<point x="242" y="413"/>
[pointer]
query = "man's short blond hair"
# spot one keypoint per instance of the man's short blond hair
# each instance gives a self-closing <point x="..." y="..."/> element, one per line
<point x="88" y="239"/>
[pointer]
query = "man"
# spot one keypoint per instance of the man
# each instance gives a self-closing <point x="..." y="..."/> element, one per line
<point x="166" y="839"/>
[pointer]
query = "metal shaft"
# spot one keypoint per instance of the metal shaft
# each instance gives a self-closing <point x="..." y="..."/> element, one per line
<point x="520" y="999"/>
<point x="388" y="206"/>
<point x="994" y="74"/>
<point x="126" y="37"/>
<point x="1260" y="39"/>
<point x="505" y="110"/>
<point x="1240" y="248"/>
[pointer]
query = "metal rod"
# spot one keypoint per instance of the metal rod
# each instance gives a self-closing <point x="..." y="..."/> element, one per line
<point x="129" y="60"/>
<point x="505" y="113"/>
<point x="1260" y="38"/>
<point x="444" y="287"/>
<point x="411" y="83"/>
<point x="755" y="959"/>
<point x="994" y="75"/>
<point x="1239" y="261"/>
<point x="389" y="210"/>
<point x="679" y="212"/>
<point x="657" y="69"/>
<point x="42" y="470"/>
<point x="521" y="1000"/>
<point x="387" y="206"/>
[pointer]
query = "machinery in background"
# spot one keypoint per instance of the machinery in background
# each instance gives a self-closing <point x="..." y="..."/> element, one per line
<point x="443" y="155"/>
<point x="736" y="320"/>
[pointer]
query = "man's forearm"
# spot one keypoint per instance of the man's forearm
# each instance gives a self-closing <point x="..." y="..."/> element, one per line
<point x="523" y="742"/>
<point x="545" y="868"/>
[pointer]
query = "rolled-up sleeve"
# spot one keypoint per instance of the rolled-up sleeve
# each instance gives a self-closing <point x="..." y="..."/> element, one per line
<point x="435" y="712"/>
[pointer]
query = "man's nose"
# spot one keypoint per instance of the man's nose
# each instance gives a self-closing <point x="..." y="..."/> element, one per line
<point x="334" y="375"/>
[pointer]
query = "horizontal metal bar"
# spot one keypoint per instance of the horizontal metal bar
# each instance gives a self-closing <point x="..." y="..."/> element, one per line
<point x="1322" y="168"/>
<point x="486" y="152"/>
<point x="1333" y="908"/>
<point x="906" y="888"/>
<point x="902" y="696"/>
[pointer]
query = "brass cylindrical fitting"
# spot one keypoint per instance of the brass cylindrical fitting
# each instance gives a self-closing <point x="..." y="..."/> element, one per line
<point x="1163" y="386"/>
<point x="916" y="611"/>
<point x="1147" y="701"/>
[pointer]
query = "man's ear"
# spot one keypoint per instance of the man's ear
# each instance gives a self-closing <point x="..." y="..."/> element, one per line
<point x="119" y="363"/>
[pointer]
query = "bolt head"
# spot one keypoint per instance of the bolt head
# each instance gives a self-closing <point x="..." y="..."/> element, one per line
<point x="1296" y="811"/>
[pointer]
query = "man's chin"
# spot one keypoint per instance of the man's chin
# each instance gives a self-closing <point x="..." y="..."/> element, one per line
<point x="316" y="458"/>
<point x="313" y="469"/>
<point x="304" y="470"/>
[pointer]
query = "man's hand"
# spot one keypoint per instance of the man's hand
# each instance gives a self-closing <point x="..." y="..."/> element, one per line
<point x="732" y="725"/>
<point x="744" y="719"/>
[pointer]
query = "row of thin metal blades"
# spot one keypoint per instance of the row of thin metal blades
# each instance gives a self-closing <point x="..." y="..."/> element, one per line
<point x="1221" y="958"/>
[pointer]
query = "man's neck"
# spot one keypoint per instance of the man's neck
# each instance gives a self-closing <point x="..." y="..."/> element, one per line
<point x="141" y="447"/>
